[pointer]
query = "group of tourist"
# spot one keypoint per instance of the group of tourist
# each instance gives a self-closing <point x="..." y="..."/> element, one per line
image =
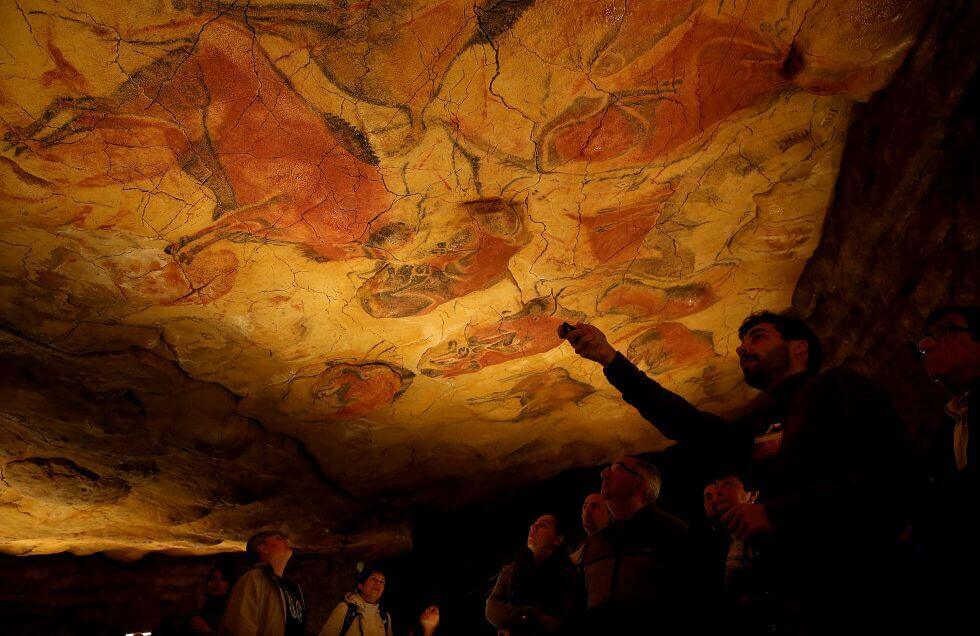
<point x="263" y="602"/>
<point x="817" y="518"/>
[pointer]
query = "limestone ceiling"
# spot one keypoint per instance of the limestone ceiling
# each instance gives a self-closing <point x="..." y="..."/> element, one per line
<point x="357" y="226"/>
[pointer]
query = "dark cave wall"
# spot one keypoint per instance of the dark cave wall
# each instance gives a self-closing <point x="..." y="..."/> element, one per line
<point x="64" y="595"/>
<point x="903" y="232"/>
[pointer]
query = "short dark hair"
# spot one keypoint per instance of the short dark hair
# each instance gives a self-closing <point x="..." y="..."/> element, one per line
<point x="228" y="571"/>
<point x="970" y="313"/>
<point x="365" y="574"/>
<point x="252" y="555"/>
<point x="741" y="473"/>
<point x="790" y="328"/>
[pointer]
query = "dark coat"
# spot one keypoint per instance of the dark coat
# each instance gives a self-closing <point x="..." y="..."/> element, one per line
<point x="638" y="570"/>
<point x="551" y="588"/>
<point x="945" y="536"/>
<point x="832" y="491"/>
<point x="742" y="606"/>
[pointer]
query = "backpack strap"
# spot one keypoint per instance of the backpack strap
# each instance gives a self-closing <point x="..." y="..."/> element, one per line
<point x="348" y="618"/>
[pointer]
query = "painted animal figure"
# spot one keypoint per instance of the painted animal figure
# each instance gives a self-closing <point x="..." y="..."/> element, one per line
<point x="530" y="331"/>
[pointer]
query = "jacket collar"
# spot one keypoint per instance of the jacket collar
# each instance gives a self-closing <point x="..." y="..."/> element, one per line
<point x="363" y="606"/>
<point x="646" y="512"/>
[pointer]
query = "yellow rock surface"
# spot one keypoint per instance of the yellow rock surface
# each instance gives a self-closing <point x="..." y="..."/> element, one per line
<point x="360" y="226"/>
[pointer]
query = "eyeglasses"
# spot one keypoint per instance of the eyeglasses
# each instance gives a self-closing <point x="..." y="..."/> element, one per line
<point x="624" y="467"/>
<point x="941" y="332"/>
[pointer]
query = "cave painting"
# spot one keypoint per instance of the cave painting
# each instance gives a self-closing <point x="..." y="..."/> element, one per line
<point x="469" y="253"/>
<point x="719" y="67"/>
<point x="345" y="391"/>
<point x="363" y="223"/>
<point x="640" y="297"/>
<point x="626" y="235"/>
<point x="277" y="171"/>
<point x="390" y="54"/>
<point x="532" y="330"/>
<point x="669" y="346"/>
<point x="540" y="394"/>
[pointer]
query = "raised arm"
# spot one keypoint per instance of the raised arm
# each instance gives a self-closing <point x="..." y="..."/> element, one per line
<point x="674" y="416"/>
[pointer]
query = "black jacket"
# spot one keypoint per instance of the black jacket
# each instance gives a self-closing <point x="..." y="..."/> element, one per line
<point x="523" y="588"/>
<point x="945" y="536"/>
<point x="832" y="491"/>
<point x="742" y="605"/>
<point x="637" y="571"/>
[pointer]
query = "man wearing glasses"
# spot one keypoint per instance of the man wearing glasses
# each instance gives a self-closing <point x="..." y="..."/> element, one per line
<point x="830" y="457"/>
<point x="636" y="568"/>
<point x="949" y="531"/>
<point x="950" y="352"/>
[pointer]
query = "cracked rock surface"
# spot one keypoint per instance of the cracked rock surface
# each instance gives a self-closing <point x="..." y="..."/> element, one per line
<point x="306" y="261"/>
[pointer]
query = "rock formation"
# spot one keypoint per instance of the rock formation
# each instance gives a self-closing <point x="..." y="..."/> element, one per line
<point x="304" y="262"/>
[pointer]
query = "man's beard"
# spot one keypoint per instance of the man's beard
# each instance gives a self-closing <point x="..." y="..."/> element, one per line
<point x="774" y="364"/>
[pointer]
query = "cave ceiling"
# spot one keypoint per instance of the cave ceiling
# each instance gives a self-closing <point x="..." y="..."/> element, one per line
<point x="295" y="262"/>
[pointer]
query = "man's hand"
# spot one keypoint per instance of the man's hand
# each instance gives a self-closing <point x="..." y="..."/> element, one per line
<point x="746" y="521"/>
<point x="591" y="344"/>
<point x="429" y="620"/>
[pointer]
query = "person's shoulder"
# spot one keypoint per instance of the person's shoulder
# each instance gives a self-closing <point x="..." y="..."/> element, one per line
<point x="340" y="609"/>
<point x="598" y="537"/>
<point x="843" y="380"/>
<point x="507" y="571"/>
<point x="672" y="523"/>
<point x="562" y="563"/>
<point x="656" y="520"/>
<point x="254" y="582"/>
<point x="595" y="545"/>
<point x="840" y="374"/>
<point x="253" y="576"/>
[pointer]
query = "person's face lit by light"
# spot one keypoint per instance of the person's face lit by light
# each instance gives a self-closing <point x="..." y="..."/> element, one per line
<point x="373" y="587"/>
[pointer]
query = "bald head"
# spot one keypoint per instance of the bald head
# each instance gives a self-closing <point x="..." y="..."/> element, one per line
<point x="595" y="514"/>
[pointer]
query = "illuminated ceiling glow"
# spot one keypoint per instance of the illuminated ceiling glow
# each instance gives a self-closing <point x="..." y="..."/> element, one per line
<point x="297" y="260"/>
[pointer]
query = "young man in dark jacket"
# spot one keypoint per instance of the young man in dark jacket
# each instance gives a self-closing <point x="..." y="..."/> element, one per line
<point x="948" y="532"/>
<point x="737" y="588"/>
<point x="829" y="453"/>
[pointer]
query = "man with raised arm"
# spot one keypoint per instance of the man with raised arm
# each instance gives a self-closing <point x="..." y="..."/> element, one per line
<point x="827" y="448"/>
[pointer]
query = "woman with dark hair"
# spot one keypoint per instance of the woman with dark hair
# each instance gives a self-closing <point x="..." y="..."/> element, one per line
<point x="213" y="599"/>
<point x="537" y="593"/>
<point x="361" y="612"/>
<point x="211" y="602"/>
